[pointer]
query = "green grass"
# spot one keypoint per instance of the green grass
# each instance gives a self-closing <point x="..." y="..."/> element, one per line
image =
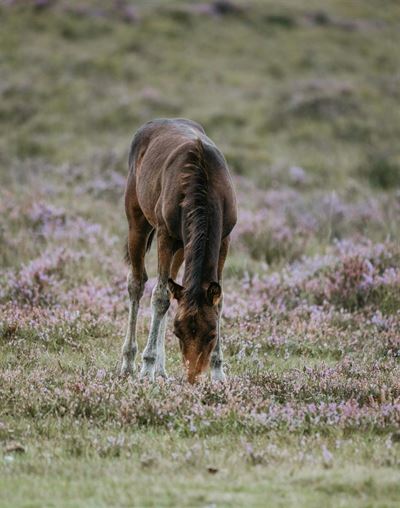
<point x="164" y="469"/>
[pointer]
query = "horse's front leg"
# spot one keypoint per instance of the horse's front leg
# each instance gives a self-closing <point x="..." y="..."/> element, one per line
<point x="160" y="349"/>
<point x="153" y="354"/>
<point x="217" y="367"/>
<point x="160" y="356"/>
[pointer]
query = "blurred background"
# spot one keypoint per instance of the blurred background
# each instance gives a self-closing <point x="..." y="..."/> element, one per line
<point x="302" y="98"/>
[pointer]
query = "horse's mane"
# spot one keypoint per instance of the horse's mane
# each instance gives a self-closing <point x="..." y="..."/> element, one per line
<point x="195" y="220"/>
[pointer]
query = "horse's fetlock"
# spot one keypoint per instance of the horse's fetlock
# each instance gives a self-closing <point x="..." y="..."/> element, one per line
<point x="132" y="350"/>
<point x="216" y="362"/>
<point x="149" y="359"/>
<point x="129" y="351"/>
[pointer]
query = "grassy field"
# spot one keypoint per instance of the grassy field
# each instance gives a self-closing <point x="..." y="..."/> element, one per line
<point x="303" y="100"/>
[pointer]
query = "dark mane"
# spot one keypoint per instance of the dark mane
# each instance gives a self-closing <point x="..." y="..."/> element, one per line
<point x="195" y="221"/>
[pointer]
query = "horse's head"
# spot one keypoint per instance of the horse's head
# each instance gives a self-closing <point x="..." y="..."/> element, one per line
<point x="196" y="326"/>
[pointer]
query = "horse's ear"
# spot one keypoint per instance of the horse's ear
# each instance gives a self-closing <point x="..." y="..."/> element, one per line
<point x="213" y="293"/>
<point x="175" y="289"/>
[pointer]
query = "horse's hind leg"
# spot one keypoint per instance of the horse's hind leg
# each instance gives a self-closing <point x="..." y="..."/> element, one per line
<point x="139" y="232"/>
<point x="160" y="355"/>
<point x="159" y="306"/>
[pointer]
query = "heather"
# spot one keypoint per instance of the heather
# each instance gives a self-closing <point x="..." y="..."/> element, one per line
<point x="302" y="99"/>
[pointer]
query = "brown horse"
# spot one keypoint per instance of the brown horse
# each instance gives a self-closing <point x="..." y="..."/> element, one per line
<point x="179" y="188"/>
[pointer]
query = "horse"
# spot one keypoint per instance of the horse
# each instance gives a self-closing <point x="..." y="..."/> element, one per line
<point x="179" y="190"/>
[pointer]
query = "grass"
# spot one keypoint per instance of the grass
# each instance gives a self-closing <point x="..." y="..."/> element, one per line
<point x="303" y="100"/>
<point x="133" y="481"/>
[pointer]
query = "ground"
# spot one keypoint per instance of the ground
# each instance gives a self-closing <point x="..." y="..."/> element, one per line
<point x="303" y="101"/>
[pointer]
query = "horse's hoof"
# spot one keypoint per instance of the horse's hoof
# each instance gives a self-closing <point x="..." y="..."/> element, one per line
<point x="126" y="374"/>
<point x="162" y="375"/>
<point x="126" y="371"/>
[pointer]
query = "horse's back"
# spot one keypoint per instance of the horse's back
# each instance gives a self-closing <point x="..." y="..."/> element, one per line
<point x="159" y="151"/>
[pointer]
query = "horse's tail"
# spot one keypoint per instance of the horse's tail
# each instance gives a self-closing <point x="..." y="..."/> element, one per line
<point x="127" y="257"/>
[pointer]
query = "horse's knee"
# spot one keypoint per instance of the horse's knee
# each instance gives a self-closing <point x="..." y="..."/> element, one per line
<point x="135" y="287"/>
<point x="160" y="299"/>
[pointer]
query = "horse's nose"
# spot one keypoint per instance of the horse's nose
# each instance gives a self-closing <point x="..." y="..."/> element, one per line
<point x="193" y="374"/>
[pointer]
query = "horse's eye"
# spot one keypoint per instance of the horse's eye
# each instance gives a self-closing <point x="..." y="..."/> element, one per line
<point x="193" y="330"/>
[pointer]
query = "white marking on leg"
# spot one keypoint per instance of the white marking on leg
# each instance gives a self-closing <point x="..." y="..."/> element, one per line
<point x="159" y="304"/>
<point x="217" y="369"/>
<point x="129" y="347"/>
<point x="160" y="355"/>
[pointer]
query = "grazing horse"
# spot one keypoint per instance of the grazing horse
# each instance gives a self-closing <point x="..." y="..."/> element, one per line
<point x="179" y="189"/>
